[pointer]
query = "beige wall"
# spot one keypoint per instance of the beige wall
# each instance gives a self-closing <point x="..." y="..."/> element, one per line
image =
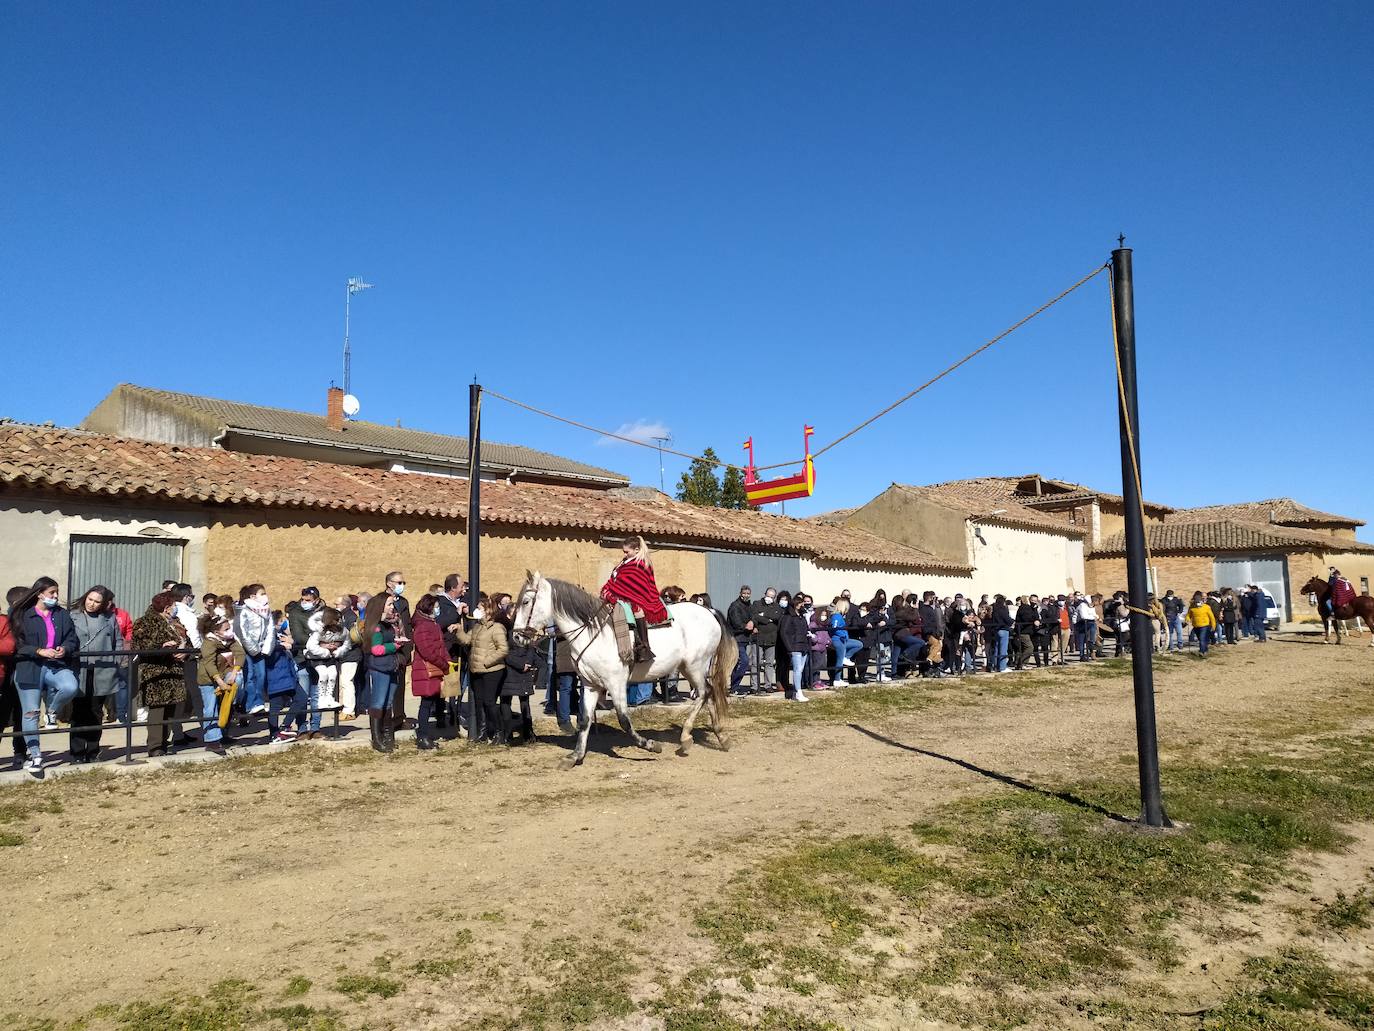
<point x="825" y="580"/>
<point x="1013" y="561"/>
<point x="917" y="522"/>
<point x="1352" y="565"/>
<point x="35" y="536"/>
<point x="344" y="554"/>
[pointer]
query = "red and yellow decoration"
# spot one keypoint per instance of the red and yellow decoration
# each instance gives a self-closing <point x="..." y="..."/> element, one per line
<point x="765" y="492"/>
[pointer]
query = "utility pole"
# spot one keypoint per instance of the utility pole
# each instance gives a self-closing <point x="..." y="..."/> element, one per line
<point x="661" y="442"/>
<point x="1137" y="574"/>
<point x="474" y="529"/>
<point x="355" y="286"/>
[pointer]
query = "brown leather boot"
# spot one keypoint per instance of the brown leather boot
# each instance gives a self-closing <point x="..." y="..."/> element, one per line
<point x="643" y="653"/>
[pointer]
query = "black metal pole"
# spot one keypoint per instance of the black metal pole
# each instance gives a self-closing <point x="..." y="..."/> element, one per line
<point x="1137" y="575"/>
<point x="474" y="528"/>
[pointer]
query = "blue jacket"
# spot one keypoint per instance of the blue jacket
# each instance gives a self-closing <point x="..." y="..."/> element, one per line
<point x="31" y="634"/>
<point x="839" y="628"/>
<point x="281" y="673"/>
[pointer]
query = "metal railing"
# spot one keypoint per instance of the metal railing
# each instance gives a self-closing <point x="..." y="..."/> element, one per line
<point x="132" y="662"/>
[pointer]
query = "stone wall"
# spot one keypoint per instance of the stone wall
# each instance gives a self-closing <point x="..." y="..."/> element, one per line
<point x="341" y="554"/>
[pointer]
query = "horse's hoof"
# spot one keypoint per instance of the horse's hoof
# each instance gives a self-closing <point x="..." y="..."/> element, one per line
<point x="653" y="746"/>
<point x="570" y="763"/>
<point x="682" y="751"/>
<point x="724" y="742"/>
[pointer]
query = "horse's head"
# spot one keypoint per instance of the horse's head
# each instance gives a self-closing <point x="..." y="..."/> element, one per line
<point x="533" y="606"/>
<point x="1316" y="585"/>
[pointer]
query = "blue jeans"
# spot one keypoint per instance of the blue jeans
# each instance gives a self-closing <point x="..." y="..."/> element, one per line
<point x="1204" y="635"/>
<point x="122" y="693"/>
<point x="58" y="685"/>
<point x="998" y="659"/>
<point x="845" y="650"/>
<point x="1259" y="629"/>
<point x="309" y="681"/>
<point x="1087" y="638"/>
<point x="741" y="663"/>
<point x="1175" y="633"/>
<point x="381" y="689"/>
<point x="798" y="670"/>
<point x="563" y="697"/>
<point x="209" y="706"/>
<point x="253" y="671"/>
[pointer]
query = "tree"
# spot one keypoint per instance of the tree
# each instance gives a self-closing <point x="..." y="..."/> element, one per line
<point x="732" y="490"/>
<point x="698" y="485"/>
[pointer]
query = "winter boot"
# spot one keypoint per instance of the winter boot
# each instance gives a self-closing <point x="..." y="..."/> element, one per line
<point x="642" y="651"/>
<point x="374" y="724"/>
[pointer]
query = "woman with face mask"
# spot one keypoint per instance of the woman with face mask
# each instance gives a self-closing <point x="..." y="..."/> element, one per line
<point x="45" y="661"/>
<point x="795" y="636"/>
<point x="162" y="679"/>
<point x="487" y="648"/>
<point x="253" y="627"/>
<point x="96" y="631"/>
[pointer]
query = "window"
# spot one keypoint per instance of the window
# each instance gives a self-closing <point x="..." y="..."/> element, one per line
<point x="1364" y="585"/>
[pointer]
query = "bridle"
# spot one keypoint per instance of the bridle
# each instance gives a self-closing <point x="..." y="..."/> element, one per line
<point x="595" y="624"/>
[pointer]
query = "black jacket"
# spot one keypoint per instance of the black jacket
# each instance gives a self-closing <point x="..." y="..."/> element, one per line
<point x="932" y="619"/>
<point x="1026" y="618"/>
<point x="1173" y="606"/>
<point x="518" y="682"/>
<point x="1049" y="618"/>
<point x="737" y="615"/>
<point x="999" y="618"/>
<point x="954" y="621"/>
<point x="446" y="614"/>
<point x="766" y="618"/>
<point x="792" y="632"/>
<point x="906" y="623"/>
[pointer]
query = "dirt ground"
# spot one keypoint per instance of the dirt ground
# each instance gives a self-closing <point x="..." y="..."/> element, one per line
<point x="327" y="860"/>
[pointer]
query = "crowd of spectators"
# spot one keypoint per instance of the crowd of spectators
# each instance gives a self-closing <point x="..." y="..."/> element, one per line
<point x="217" y="666"/>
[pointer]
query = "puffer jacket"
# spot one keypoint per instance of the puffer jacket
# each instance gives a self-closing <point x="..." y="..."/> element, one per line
<point x="255" y="632"/>
<point x="487" y="645"/>
<point x="430" y="661"/>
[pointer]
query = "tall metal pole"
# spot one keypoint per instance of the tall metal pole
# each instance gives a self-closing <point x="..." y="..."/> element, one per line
<point x="348" y="354"/>
<point x="1137" y="575"/>
<point x="474" y="530"/>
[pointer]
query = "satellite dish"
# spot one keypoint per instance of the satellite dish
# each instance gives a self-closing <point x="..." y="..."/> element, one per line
<point x="350" y="405"/>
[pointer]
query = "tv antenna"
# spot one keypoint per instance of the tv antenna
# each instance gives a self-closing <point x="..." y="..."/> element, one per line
<point x="355" y="286"/>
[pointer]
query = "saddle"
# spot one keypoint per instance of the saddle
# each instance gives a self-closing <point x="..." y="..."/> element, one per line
<point x="632" y="634"/>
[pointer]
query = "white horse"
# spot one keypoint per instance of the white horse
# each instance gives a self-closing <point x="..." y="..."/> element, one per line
<point x="696" y="645"/>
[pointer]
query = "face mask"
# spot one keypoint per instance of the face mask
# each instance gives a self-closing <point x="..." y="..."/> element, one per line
<point x="477" y="613"/>
<point x="768" y="599"/>
<point x="398" y="590"/>
<point x="50" y="602"/>
<point x="306" y="606"/>
<point x="227" y="634"/>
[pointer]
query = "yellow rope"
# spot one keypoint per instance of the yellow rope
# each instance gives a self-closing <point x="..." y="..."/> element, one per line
<point x="1130" y="439"/>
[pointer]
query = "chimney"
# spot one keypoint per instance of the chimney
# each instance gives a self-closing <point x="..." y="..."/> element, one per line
<point x="333" y="410"/>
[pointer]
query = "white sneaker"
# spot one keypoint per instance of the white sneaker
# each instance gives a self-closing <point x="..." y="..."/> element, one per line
<point x="799" y="697"/>
<point x="35" y="765"/>
<point x="883" y="678"/>
<point x="848" y="662"/>
<point x="142" y="716"/>
<point x="50" y="720"/>
<point x="254" y="711"/>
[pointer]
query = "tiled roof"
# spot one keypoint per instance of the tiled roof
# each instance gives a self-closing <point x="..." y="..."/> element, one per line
<point x="983" y="500"/>
<point x="1004" y="488"/>
<point x="89" y="464"/>
<point x="395" y="441"/>
<point x="1284" y="511"/>
<point x="1223" y="535"/>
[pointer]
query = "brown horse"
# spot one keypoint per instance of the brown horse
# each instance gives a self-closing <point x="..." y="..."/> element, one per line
<point x="1362" y="606"/>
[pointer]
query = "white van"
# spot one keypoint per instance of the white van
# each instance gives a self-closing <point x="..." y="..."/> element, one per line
<point x="1272" y="615"/>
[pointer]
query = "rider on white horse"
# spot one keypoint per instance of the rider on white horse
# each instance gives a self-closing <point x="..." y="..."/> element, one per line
<point x="632" y="582"/>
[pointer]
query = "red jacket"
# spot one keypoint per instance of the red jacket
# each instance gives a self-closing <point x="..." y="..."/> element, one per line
<point x="430" y="651"/>
<point x="7" y="647"/>
<point x="633" y="581"/>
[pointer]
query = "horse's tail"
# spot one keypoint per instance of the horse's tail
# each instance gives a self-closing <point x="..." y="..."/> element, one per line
<point x="727" y="654"/>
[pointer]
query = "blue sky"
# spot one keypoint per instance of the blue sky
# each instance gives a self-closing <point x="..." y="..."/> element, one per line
<point x="728" y="219"/>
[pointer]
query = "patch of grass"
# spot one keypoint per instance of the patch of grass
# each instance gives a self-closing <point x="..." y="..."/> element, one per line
<point x="9" y="839"/>
<point x="1288" y="992"/>
<point x="437" y="968"/>
<point x="228" y="1006"/>
<point x="359" y="986"/>
<point x="1347" y="912"/>
<point x="296" y="987"/>
<point x="1030" y="894"/>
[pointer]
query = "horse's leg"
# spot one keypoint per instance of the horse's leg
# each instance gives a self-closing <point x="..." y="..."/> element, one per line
<point x="622" y="709"/>
<point x="584" y="727"/>
<point x="689" y="719"/>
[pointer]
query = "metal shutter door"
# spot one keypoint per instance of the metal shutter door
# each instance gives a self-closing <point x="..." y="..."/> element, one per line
<point x="727" y="571"/>
<point x="133" y="569"/>
<point x="1269" y="573"/>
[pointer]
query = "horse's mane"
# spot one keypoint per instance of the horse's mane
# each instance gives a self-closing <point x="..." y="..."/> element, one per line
<point x="573" y="601"/>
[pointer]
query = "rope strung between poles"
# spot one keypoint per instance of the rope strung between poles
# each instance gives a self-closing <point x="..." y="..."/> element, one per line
<point x="941" y="375"/>
<point x="719" y="463"/>
<point x="1130" y="439"/>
